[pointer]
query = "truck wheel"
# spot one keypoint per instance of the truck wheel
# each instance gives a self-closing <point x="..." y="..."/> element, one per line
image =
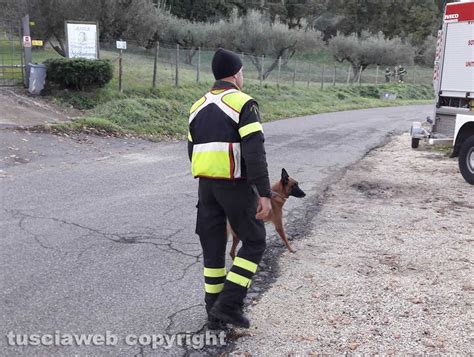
<point x="466" y="160"/>
<point x="415" y="143"/>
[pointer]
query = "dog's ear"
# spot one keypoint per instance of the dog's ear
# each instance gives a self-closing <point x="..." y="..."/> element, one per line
<point x="284" y="177"/>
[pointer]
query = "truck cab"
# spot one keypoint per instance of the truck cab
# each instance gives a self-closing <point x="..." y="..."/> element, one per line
<point x="453" y="83"/>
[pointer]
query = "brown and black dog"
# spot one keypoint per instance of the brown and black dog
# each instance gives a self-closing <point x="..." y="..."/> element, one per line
<point x="281" y="191"/>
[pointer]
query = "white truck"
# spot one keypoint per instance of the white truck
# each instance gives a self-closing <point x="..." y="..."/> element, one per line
<point x="453" y="82"/>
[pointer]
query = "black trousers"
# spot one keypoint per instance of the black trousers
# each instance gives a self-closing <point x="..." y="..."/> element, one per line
<point x="236" y="201"/>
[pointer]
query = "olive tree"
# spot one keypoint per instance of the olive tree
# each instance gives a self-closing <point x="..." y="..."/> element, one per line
<point x="427" y="51"/>
<point x="366" y="49"/>
<point x="188" y="34"/>
<point x="255" y="34"/>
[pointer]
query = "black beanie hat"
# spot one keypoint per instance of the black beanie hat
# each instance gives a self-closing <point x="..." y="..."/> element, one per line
<point x="225" y="63"/>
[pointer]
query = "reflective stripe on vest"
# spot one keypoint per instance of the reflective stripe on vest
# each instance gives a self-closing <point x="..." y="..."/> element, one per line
<point x="217" y="100"/>
<point x="250" y="128"/>
<point x="217" y="159"/>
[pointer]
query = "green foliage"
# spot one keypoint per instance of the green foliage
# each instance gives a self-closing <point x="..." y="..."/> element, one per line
<point x="163" y="113"/>
<point x="152" y="116"/>
<point x="415" y="19"/>
<point x="427" y="52"/>
<point x="366" y="49"/>
<point x="78" y="73"/>
<point x="203" y="10"/>
<point x="403" y="91"/>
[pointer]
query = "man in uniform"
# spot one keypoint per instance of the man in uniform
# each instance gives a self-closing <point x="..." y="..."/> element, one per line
<point x="226" y="149"/>
<point x="401" y="73"/>
<point x="388" y="73"/>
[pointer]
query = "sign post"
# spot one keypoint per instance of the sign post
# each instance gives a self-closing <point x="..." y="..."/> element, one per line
<point x="155" y="64"/>
<point x="121" y="45"/>
<point x="26" y="49"/>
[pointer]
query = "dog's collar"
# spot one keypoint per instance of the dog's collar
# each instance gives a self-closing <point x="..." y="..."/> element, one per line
<point x="279" y="195"/>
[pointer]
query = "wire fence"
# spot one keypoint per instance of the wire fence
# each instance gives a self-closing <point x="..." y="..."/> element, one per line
<point x="160" y="66"/>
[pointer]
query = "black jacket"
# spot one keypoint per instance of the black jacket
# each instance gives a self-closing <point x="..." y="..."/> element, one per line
<point x="254" y="162"/>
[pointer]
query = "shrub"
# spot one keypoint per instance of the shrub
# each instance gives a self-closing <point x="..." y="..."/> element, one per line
<point x="79" y="73"/>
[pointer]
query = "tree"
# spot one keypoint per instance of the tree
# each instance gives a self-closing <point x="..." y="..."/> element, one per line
<point x="135" y="20"/>
<point x="203" y="10"/>
<point x="366" y="49"/>
<point x="395" y="18"/>
<point x="427" y="52"/>
<point x="188" y="34"/>
<point x="255" y="34"/>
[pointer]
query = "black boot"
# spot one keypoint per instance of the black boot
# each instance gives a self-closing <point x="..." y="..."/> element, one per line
<point x="212" y="322"/>
<point x="235" y="316"/>
<point x="215" y="324"/>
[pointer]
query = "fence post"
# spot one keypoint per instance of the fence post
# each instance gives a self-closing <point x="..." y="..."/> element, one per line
<point x="309" y="74"/>
<point x="120" y="71"/>
<point x="155" y="64"/>
<point x="322" y="78"/>
<point x="377" y="75"/>
<point x="198" y="71"/>
<point x="279" y="73"/>
<point x="414" y="73"/>
<point x="261" y="69"/>
<point x="294" y="74"/>
<point x="176" y="78"/>
<point x="334" y="76"/>
<point x="349" y="70"/>
<point x="360" y="75"/>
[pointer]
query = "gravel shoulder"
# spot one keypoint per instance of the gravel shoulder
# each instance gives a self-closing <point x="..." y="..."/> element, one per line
<point x="386" y="268"/>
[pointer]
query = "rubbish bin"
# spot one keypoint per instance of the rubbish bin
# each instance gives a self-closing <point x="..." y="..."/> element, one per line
<point x="37" y="78"/>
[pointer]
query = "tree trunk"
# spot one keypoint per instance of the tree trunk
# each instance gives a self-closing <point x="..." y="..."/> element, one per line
<point x="190" y="55"/>
<point x="60" y="49"/>
<point x="257" y="63"/>
<point x="275" y="62"/>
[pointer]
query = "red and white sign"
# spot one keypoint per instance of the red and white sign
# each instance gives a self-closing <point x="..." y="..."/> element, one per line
<point x="459" y="11"/>
<point x="26" y="41"/>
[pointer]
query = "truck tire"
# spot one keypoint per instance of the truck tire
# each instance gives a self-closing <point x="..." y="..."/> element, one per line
<point x="466" y="160"/>
<point x="415" y="143"/>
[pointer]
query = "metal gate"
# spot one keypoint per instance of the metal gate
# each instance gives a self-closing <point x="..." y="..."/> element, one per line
<point x="11" y="54"/>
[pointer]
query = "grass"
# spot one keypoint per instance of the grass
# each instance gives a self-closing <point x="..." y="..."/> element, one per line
<point x="10" y="55"/>
<point x="163" y="113"/>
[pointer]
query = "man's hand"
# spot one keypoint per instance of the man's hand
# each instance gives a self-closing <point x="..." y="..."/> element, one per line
<point x="264" y="208"/>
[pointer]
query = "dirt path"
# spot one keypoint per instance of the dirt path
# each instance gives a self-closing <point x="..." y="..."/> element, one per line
<point x="18" y="109"/>
<point x="387" y="267"/>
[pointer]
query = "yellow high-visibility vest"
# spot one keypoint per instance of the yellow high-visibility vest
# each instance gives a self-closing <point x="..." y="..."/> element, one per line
<point x="216" y="133"/>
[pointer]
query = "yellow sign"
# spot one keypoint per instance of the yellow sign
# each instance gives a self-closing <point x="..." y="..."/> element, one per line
<point x="37" y="43"/>
<point x="32" y="23"/>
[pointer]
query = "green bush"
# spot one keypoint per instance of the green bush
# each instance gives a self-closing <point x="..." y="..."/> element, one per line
<point x="79" y="73"/>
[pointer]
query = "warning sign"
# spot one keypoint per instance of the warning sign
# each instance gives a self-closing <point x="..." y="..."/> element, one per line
<point x="26" y="41"/>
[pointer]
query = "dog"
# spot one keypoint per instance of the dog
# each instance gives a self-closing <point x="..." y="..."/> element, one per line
<point x="281" y="191"/>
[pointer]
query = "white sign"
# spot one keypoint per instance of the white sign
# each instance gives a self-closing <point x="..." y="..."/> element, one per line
<point x="121" y="45"/>
<point x="82" y="40"/>
<point x="26" y="41"/>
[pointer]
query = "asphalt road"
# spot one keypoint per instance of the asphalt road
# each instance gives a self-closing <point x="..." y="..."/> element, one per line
<point x="97" y="234"/>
